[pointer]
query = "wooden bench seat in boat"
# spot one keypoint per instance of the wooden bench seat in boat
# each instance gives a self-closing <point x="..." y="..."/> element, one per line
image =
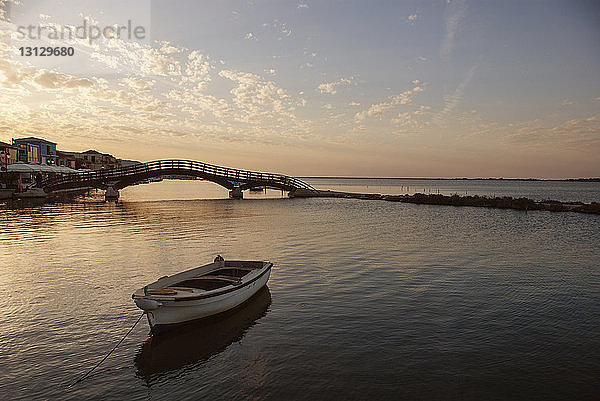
<point x="224" y="278"/>
<point x="169" y="291"/>
<point x="162" y="291"/>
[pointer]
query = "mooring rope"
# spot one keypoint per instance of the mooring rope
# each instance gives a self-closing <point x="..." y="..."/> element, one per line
<point x="107" y="355"/>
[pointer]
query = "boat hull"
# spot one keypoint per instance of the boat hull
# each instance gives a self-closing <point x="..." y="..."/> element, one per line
<point x="175" y="312"/>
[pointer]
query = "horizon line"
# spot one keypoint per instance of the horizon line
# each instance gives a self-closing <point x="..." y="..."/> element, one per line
<point x="455" y="178"/>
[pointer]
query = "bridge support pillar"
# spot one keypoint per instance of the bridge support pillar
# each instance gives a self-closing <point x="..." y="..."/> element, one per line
<point x="236" y="193"/>
<point x="110" y="194"/>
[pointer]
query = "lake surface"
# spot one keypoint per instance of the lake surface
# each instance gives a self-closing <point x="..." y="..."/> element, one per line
<point x="574" y="191"/>
<point x="367" y="299"/>
<point x="565" y="191"/>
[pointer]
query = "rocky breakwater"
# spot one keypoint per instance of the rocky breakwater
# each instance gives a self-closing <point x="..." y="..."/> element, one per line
<point x="505" y="202"/>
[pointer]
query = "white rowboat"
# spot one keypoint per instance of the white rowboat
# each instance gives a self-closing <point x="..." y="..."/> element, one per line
<point x="201" y="292"/>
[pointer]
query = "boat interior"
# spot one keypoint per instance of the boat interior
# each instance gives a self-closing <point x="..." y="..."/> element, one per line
<point x="231" y="273"/>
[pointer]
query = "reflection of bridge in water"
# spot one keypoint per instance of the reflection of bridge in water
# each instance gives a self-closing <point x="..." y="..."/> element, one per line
<point x="235" y="180"/>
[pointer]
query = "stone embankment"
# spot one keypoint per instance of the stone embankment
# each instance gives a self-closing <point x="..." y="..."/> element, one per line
<point x="505" y="202"/>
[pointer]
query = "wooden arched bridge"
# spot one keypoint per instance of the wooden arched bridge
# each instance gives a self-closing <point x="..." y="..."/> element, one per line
<point x="112" y="181"/>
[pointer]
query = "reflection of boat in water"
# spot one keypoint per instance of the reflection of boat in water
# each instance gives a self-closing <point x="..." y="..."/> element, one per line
<point x="29" y="193"/>
<point x="201" y="292"/>
<point x="196" y="342"/>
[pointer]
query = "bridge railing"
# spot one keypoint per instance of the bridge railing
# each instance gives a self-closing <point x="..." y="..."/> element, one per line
<point x="230" y="174"/>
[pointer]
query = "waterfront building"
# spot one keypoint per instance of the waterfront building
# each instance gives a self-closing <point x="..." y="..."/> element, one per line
<point x="90" y="159"/>
<point x="8" y="154"/>
<point x="27" y="153"/>
<point x="66" y="159"/>
<point x="35" y="150"/>
<point x="95" y="160"/>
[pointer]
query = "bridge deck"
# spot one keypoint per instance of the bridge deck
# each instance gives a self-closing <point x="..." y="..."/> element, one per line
<point x="228" y="177"/>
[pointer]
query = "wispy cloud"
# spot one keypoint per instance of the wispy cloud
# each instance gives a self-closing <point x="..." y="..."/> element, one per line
<point x="281" y="29"/>
<point x="576" y="133"/>
<point x="377" y="110"/>
<point x="412" y="120"/>
<point x="330" y="87"/>
<point x="453" y="15"/>
<point x="451" y="101"/>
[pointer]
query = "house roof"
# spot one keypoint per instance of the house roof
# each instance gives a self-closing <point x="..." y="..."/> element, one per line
<point x="63" y="153"/>
<point x="33" y="139"/>
<point x="28" y="168"/>
<point x="95" y="152"/>
<point x="7" y="145"/>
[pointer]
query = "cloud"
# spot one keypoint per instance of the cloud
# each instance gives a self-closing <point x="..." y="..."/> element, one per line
<point x="451" y="101"/>
<point x="281" y="29"/>
<point x="256" y="97"/>
<point x="330" y="87"/>
<point x="16" y="76"/>
<point x="377" y="110"/>
<point x="137" y="57"/>
<point x="12" y="74"/>
<point x="454" y="13"/>
<point x="197" y="70"/>
<point x="412" y="120"/>
<point x="52" y="80"/>
<point x="576" y="133"/>
<point x="154" y="89"/>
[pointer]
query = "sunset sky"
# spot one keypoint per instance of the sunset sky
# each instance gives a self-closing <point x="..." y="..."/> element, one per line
<point x="353" y="88"/>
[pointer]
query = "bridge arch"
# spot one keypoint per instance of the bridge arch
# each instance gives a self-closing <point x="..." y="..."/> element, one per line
<point x="233" y="179"/>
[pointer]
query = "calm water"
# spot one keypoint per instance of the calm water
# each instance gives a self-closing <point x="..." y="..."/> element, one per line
<point x="537" y="190"/>
<point x="367" y="300"/>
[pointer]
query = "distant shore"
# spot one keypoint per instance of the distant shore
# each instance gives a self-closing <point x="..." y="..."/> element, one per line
<point x="505" y="202"/>
<point x="593" y="179"/>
